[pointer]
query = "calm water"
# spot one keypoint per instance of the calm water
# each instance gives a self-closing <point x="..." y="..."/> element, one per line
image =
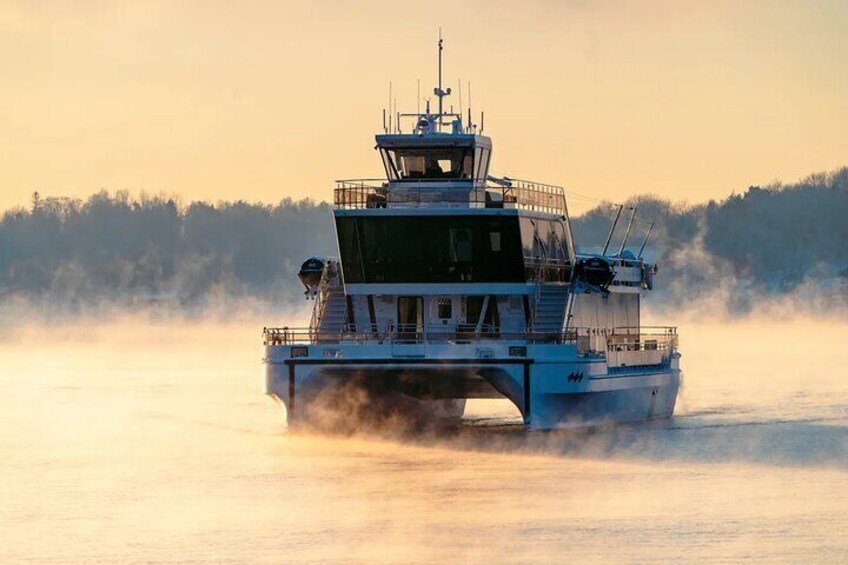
<point x="152" y="442"/>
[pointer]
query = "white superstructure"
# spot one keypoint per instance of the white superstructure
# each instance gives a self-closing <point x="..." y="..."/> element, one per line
<point x="453" y="284"/>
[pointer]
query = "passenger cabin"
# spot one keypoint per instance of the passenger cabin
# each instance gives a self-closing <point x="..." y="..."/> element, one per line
<point x="441" y="243"/>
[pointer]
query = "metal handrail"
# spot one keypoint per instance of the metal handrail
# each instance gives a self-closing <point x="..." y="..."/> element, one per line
<point x="519" y="194"/>
<point x="321" y="296"/>
<point x="414" y="334"/>
<point x="642" y="345"/>
<point x="656" y="330"/>
<point x="665" y="340"/>
<point x="540" y="272"/>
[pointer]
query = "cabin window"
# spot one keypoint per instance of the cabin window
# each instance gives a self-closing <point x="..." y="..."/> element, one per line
<point x="474" y="309"/>
<point x="352" y="265"/>
<point x="460" y="239"/>
<point x="444" y="308"/>
<point x="420" y="249"/>
<point x="495" y="241"/>
<point x="429" y="163"/>
<point x="410" y="315"/>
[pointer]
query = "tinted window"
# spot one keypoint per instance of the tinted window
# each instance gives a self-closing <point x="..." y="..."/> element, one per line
<point x="444" y="307"/>
<point x="383" y="249"/>
<point x="429" y="163"/>
<point x="549" y="239"/>
<point x="410" y="311"/>
<point x="474" y="307"/>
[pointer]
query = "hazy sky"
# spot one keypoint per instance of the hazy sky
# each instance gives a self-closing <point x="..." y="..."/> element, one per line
<point x="262" y="100"/>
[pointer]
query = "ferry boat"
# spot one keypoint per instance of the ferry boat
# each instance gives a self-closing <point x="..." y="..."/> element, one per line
<point x="453" y="284"/>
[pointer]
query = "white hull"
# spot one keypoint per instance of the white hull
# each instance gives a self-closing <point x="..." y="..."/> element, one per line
<point x="555" y="388"/>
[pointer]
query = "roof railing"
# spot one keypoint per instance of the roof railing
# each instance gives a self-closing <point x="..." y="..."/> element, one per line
<point x="450" y="193"/>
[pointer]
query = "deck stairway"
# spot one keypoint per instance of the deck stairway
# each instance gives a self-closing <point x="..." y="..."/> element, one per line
<point x="551" y="303"/>
<point x="330" y="313"/>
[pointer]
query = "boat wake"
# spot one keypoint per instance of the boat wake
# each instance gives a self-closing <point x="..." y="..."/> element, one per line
<point x="701" y="437"/>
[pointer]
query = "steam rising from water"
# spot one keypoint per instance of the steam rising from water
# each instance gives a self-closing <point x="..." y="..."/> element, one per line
<point x="149" y="440"/>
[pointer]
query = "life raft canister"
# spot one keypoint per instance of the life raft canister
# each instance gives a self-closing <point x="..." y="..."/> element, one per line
<point x="594" y="271"/>
<point x="311" y="271"/>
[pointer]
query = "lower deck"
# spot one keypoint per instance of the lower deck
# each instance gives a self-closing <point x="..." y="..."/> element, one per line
<point x="555" y="380"/>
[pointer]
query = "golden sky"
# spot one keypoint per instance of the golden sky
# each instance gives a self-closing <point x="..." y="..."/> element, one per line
<point x="262" y="100"/>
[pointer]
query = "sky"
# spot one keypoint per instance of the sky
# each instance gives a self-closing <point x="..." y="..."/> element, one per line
<point x="258" y="100"/>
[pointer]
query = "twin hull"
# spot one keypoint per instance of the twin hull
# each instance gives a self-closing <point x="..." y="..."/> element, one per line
<point x="550" y="384"/>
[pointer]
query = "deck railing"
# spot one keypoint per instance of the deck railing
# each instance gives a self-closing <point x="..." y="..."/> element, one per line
<point x="621" y="339"/>
<point x="414" y="334"/>
<point x="645" y="346"/>
<point x="644" y="337"/>
<point x="626" y="348"/>
<point x="450" y="193"/>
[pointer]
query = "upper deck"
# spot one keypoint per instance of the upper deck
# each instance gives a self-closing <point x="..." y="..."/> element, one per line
<point x="509" y="194"/>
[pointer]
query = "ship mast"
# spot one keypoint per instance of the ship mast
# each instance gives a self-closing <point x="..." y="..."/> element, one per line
<point x="438" y="91"/>
<point x="440" y="76"/>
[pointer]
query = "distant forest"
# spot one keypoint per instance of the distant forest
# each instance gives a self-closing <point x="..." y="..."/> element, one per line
<point x="776" y="240"/>
<point x="151" y="249"/>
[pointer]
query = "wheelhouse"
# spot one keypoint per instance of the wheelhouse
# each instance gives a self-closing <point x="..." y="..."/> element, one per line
<point x="454" y="157"/>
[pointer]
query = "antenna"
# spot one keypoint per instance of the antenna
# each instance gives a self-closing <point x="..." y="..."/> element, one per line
<point x="440" y="75"/>
<point x="482" y="120"/>
<point x="645" y="242"/>
<point x="612" y="229"/>
<point x="390" y="107"/>
<point x="459" y="82"/>
<point x="627" y="232"/>
<point x="385" y="130"/>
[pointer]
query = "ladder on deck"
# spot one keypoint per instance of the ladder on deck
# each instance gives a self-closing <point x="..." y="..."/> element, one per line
<point x="329" y="315"/>
<point x="551" y="306"/>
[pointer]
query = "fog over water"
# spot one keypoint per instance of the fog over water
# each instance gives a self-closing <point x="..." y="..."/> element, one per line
<point x="140" y="439"/>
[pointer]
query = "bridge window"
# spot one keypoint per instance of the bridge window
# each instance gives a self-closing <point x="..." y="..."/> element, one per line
<point x="429" y="163"/>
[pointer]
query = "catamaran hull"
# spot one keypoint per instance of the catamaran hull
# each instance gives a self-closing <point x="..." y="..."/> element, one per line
<point x="572" y="394"/>
<point x="650" y="396"/>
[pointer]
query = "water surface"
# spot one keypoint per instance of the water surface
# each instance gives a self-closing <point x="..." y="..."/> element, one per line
<point x="138" y="441"/>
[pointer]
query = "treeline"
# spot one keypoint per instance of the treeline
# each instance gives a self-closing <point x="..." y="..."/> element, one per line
<point x="780" y="244"/>
<point x="771" y="238"/>
<point x="153" y="249"/>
